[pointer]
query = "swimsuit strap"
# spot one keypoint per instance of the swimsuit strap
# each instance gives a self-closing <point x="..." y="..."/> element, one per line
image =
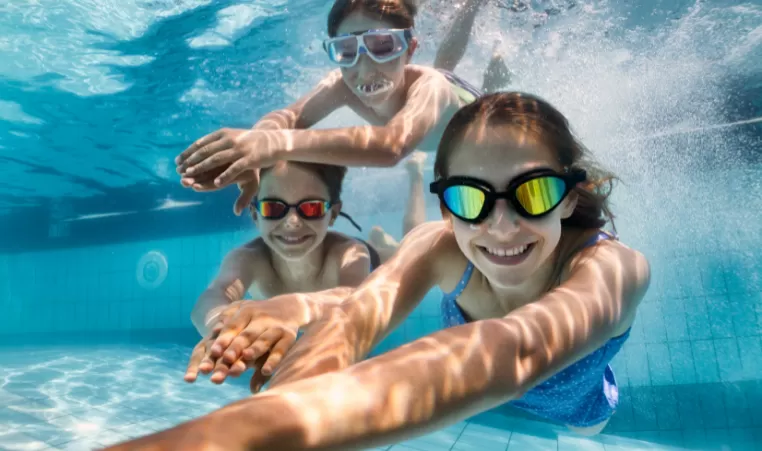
<point x="462" y="283"/>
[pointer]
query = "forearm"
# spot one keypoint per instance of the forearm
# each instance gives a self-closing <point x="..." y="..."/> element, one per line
<point x="351" y="146"/>
<point x="209" y="306"/>
<point x="327" y="345"/>
<point x="418" y="388"/>
<point x="443" y="378"/>
<point x="277" y="120"/>
<point x="316" y="305"/>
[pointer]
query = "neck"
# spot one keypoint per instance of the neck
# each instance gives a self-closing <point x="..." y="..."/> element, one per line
<point x="528" y="291"/>
<point x="300" y="271"/>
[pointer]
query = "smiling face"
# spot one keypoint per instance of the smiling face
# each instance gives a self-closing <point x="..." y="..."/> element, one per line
<point x="506" y="247"/>
<point x="373" y="83"/>
<point x="293" y="237"/>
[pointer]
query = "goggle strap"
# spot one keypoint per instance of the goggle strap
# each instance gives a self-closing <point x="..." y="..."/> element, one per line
<point x="349" y="218"/>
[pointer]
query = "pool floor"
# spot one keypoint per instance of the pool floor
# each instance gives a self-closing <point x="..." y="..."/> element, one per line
<point x="84" y="398"/>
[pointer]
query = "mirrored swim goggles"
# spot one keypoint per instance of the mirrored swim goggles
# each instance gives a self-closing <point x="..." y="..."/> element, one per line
<point x="308" y="209"/>
<point x="533" y="195"/>
<point x="381" y="46"/>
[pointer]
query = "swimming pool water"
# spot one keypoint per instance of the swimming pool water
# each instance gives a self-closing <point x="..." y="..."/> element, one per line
<point x="102" y="254"/>
<point x="689" y="376"/>
<point x="83" y="398"/>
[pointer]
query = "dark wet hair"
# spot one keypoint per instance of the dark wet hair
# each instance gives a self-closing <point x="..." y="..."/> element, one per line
<point x="535" y="116"/>
<point x="399" y="13"/>
<point x="331" y="176"/>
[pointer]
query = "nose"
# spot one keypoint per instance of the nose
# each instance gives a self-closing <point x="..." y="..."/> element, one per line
<point x="503" y="221"/>
<point x="293" y="221"/>
<point x="365" y="67"/>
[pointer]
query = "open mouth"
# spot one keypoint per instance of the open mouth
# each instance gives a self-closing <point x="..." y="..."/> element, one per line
<point x="507" y="255"/>
<point x="375" y="88"/>
<point x="292" y="240"/>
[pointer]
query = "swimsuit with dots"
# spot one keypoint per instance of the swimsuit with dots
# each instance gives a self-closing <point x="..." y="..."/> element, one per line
<point x="584" y="394"/>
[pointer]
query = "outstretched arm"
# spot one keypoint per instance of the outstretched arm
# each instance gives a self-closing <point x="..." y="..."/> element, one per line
<point x="235" y="276"/>
<point x="453" y="374"/>
<point x="328" y="96"/>
<point x="428" y="99"/>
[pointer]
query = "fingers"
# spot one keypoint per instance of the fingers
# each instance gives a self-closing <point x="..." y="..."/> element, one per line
<point x="203" y="153"/>
<point x="228" y="177"/>
<point x="213" y="162"/>
<point x="202" y="182"/>
<point x="248" y="192"/>
<point x="221" y="371"/>
<point x="258" y="380"/>
<point x="198" y="356"/>
<point x="244" y="340"/>
<point x="276" y="354"/>
<point x="238" y="368"/>
<point x="208" y="139"/>
<point x="235" y="325"/>
<point x="264" y="344"/>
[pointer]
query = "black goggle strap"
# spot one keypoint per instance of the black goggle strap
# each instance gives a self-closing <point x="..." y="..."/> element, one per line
<point x="349" y="218"/>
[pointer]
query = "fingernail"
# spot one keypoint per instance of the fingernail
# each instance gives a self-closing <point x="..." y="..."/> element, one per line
<point x="218" y="182"/>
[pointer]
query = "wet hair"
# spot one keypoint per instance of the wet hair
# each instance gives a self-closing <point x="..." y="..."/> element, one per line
<point x="399" y="13"/>
<point x="532" y="115"/>
<point x="331" y="176"/>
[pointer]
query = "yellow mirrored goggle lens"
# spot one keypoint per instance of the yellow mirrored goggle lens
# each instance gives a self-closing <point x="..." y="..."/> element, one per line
<point x="539" y="195"/>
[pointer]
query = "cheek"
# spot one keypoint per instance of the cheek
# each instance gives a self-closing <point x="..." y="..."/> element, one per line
<point x="394" y="70"/>
<point x="347" y="75"/>
<point x="465" y="234"/>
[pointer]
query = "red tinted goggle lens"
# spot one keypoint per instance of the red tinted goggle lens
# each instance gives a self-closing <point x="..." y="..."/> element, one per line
<point x="276" y="209"/>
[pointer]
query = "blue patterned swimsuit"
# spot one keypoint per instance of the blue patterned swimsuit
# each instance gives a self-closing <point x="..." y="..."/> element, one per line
<point x="584" y="394"/>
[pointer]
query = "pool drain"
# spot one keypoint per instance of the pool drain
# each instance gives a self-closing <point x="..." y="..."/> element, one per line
<point x="152" y="270"/>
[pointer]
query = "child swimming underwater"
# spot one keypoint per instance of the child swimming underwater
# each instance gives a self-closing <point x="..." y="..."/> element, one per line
<point x="538" y="301"/>
<point x="407" y="105"/>
<point x="296" y="252"/>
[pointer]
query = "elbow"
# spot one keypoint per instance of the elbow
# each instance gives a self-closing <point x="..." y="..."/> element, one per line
<point x="391" y="155"/>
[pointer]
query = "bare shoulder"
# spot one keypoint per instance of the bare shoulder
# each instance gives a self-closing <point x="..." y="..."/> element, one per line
<point x="429" y="78"/>
<point x="339" y="245"/>
<point x="615" y="255"/>
<point x="433" y="242"/>
<point x="618" y="270"/>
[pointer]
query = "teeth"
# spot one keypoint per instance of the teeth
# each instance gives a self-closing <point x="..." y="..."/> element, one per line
<point x="291" y="239"/>
<point x="375" y="87"/>
<point x="507" y="252"/>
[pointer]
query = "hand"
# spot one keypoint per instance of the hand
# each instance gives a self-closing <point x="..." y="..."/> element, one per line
<point x="220" y="158"/>
<point x="201" y="361"/>
<point x="258" y="335"/>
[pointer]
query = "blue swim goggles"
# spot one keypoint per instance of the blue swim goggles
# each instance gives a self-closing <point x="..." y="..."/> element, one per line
<point x="381" y="46"/>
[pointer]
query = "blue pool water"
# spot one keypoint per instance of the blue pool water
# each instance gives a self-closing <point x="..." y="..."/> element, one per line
<point x="102" y="253"/>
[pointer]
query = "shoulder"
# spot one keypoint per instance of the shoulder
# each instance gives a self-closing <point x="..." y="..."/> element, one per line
<point x="611" y="267"/>
<point x="433" y="245"/>
<point x="611" y="253"/>
<point x="340" y="246"/>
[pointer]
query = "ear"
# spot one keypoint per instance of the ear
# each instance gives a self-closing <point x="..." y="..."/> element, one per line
<point x="335" y="210"/>
<point x="411" y="48"/>
<point x="570" y="203"/>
